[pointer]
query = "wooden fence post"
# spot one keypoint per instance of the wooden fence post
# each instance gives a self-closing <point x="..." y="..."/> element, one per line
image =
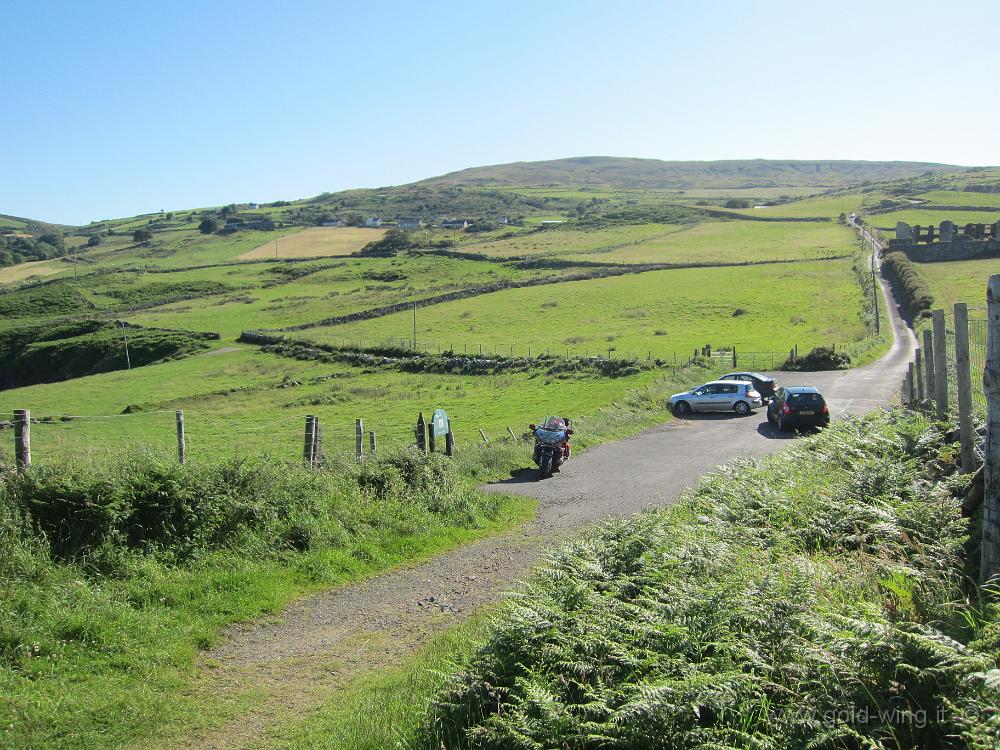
<point x="421" y="434"/>
<point x="512" y="435"/>
<point x="308" y="450"/>
<point x="449" y="442"/>
<point x="734" y="357"/>
<point x="990" y="565"/>
<point x="940" y="365"/>
<point x="909" y="385"/>
<point x="929" y="373"/>
<point x="964" y="388"/>
<point x="918" y="369"/>
<point x="483" y="436"/>
<point x="22" y="438"/>
<point x="180" y="437"/>
<point x="431" y="437"/>
<point x="359" y="439"/>
<point x="371" y="441"/>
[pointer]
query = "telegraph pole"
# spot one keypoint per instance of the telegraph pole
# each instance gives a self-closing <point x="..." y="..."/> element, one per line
<point x="125" y="336"/>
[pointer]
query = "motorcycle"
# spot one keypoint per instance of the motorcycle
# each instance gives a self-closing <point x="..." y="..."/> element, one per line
<point x="551" y="445"/>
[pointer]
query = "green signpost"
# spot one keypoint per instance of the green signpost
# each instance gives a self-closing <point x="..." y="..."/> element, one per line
<point x="440" y="423"/>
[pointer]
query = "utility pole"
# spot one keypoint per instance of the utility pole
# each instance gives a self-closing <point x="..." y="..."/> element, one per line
<point x="128" y="361"/>
<point x="875" y="293"/>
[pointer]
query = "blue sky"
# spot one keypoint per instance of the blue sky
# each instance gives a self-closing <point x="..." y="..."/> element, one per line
<point x="116" y="108"/>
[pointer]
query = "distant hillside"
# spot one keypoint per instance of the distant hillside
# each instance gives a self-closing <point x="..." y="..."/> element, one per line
<point x="28" y="226"/>
<point x="609" y="171"/>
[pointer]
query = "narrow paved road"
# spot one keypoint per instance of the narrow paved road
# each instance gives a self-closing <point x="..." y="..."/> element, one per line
<point x="323" y="640"/>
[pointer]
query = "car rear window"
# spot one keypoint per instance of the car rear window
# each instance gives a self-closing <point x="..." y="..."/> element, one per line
<point x="805" y="399"/>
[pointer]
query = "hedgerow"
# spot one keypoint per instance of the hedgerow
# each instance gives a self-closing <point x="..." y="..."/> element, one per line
<point x="909" y="286"/>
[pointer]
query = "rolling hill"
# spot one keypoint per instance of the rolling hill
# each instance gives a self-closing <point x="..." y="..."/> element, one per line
<point x="609" y="171"/>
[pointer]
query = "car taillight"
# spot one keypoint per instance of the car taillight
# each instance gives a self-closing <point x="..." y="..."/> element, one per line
<point x="786" y="409"/>
<point x="826" y="409"/>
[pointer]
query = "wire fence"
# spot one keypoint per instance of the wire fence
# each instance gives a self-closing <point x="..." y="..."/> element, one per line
<point x="977" y="355"/>
<point x="61" y="439"/>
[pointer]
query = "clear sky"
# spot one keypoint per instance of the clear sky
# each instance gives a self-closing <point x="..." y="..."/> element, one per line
<point x="114" y="108"/>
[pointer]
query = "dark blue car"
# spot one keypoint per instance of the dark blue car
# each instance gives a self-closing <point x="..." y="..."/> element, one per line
<point x="798" y="406"/>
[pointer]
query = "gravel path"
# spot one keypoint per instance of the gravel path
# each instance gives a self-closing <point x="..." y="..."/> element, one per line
<point x="323" y="640"/>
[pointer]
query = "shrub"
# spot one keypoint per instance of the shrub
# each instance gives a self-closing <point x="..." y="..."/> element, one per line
<point x="911" y="289"/>
<point x="820" y="358"/>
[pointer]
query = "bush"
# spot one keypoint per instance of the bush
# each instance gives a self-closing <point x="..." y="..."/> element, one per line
<point x="208" y="225"/>
<point x="912" y="291"/>
<point x="820" y="358"/>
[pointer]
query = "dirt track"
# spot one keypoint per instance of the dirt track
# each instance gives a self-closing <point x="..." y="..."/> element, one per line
<point x="325" y="639"/>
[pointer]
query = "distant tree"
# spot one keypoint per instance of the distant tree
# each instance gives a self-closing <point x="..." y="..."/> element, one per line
<point x="208" y="225"/>
<point x="142" y="235"/>
<point x="170" y="216"/>
<point x="94" y="240"/>
<point x="352" y="219"/>
<point x="842" y="219"/>
<point x="228" y="210"/>
<point x="52" y="239"/>
<point x="581" y="209"/>
<point x="393" y="241"/>
<point x="737" y="203"/>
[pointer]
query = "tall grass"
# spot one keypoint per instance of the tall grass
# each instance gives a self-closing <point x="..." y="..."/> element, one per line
<point x="811" y="599"/>
<point x="113" y="576"/>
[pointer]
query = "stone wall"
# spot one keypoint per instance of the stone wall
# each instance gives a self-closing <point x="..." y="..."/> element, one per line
<point x="939" y="252"/>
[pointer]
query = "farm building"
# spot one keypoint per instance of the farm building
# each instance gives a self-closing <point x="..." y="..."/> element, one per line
<point x="408" y="223"/>
<point x="373" y="222"/>
<point x="455" y="224"/>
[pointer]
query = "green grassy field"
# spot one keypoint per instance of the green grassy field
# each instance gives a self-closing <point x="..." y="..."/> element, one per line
<point x="244" y="402"/>
<point x="961" y="198"/>
<point x="760" y="308"/>
<point x="830" y="206"/>
<point x="959" y="281"/>
<point x="732" y="242"/>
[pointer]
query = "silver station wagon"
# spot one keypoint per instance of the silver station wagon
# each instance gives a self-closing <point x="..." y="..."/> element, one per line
<point x="719" y="395"/>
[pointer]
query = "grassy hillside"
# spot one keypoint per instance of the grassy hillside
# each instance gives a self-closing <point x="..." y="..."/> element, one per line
<point x="652" y="173"/>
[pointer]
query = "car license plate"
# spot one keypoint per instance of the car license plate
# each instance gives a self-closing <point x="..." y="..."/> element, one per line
<point x="807" y="413"/>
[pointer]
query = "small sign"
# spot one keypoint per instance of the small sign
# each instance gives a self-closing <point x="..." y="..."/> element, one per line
<point x="439" y="422"/>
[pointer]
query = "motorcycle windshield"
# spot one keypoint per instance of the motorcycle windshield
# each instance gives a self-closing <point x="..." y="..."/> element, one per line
<point x="550" y="437"/>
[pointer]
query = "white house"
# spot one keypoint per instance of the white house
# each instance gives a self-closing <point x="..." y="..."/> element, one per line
<point x="373" y="222"/>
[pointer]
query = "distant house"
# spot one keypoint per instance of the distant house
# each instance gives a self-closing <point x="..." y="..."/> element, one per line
<point x="551" y="222"/>
<point x="408" y="223"/>
<point x="373" y="222"/>
<point x="455" y="224"/>
<point x="502" y="219"/>
<point x="333" y="223"/>
<point x="252" y="206"/>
